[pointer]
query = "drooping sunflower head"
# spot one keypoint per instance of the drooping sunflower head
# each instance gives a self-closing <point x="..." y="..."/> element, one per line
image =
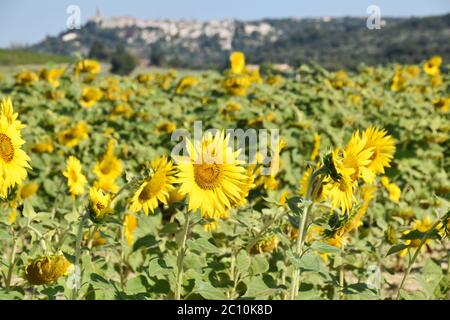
<point x="154" y="189"/>
<point x="47" y="270"/>
<point x="383" y="148"/>
<point x="13" y="160"/>
<point x="99" y="204"/>
<point x="75" y="178"/>
<point x="212" y="176"/>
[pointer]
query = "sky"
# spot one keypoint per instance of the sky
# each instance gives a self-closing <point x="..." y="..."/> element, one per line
<point x="29" y="21"/>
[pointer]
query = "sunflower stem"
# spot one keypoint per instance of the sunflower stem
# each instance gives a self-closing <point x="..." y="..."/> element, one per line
<point x="75" y="290"/>
<point x="12" y="263"/>
<point x="181" y="253"/>
<point x="314" y="184"/>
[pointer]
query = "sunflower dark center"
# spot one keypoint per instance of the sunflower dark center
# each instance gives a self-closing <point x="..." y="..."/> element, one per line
<point x="6" y="148"/>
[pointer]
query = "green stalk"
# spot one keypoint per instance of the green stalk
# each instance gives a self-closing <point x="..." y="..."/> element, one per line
<point x="181" y="253"/>
<point x="313" y="187"/>
<point x="75" y="290"/>
<point x="12" y="263"/>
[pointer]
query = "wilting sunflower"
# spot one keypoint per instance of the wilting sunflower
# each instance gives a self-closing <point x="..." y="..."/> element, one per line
<point x="26" y="78"/>
<point x="90" y="96"/>
<point x="47" y="270"/>
<point x="212" y="176"/>
<point x="99" y="204"/>
<point x="75" y="178"/>
<point x="383" y="151"/>
<point x="13" y="160"/>
<point x="155" y="188"/>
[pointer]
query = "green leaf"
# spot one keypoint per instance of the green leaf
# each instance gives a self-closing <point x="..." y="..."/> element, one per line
<point x="4" y="235"/>
<point x="323" y="247"/>
<point x="202" y="245"/>
<point x="257" y="288"/>
<point x="259" y="264"/>
<point x="207" y="291"/>
<point x="243" y="262"/>
<point x="397" y="248"/>
<point x="28" y="211"/>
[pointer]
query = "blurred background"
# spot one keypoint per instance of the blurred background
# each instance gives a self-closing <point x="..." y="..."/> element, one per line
<point x="200" y="34"/>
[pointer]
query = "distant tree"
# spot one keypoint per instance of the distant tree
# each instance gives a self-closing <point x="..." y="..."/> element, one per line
<point x="98" y="51"/>
<point x="122" y="62"/>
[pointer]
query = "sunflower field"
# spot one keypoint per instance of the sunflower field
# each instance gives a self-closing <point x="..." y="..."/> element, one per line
<point x="351" y="202"/>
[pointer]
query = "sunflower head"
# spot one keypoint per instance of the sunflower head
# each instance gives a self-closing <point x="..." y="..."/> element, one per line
<point x="155" y="188"/>
<point x="75" y="178"/>
<point x="382" y="147"/>
<point x="212" y="176"/>
<point x="47" y="270"/>
<point x="99" y="204"/>
<point x="90" y="96"/>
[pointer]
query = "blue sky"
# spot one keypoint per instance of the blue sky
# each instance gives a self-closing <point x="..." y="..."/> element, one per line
<point x="29" y="21"/>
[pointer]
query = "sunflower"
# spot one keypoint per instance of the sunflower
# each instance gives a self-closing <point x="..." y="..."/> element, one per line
<point x="99" y="204"/>
<point x="394" y="191"/>
<point x="155" y="188"/>
<point x="237" y="61"/>
<point x="28" y="190"/>
<point x="51" y="76"/>
<point x="185" y="84"/>
<point x="75" y="178"/>
<point x="87" y="66"/>
<point x="107" y="184"/>
<point x="6" y="110"/>
<point x="109" y="167"/>
<point x="339" y="183"/>
<point x="90" y="96"/>
<point x="383" y="151"/>
<point x="358" y="156"/>
<point x="13" y="160"/>
<point x="431" y="67"/>
<point x="26" y="78"/>
<point x="47" y="270"/>
<point x="46" y="145"/>
<point x="212" y="176"/>
<point x="73" y="136"/>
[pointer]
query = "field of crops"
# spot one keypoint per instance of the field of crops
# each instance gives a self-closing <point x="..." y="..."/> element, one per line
<point x="349" y="202"/>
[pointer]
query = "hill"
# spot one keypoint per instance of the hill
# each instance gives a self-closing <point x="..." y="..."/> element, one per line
<point x="332" y="42"/>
